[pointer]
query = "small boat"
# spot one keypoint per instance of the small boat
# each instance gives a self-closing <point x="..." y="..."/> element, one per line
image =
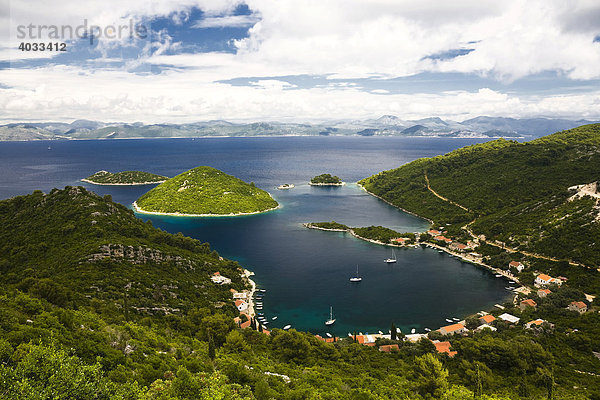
<point x="331" y="320"/>
<point x="265" y="322"/>
<point x="356" y="278"/>
<point x="285" y="328"/>
<point x="274" y="318"/>
<point x="328" y="334"/>
<point x="381" y="333"/>
<point x="456" y="319"/>
<point x="49" y="148"/>
<point x="285" y="186"/>
<point x="349" y="334"/>
<point x="392" y="259"/>
<point x="449" y="320"/>
<point x="498" y="276"/>
<point x="413" y="330"/>
<point x="511" y="282"/>
<point x="427" y="330"/>
<point x="263" y="290"/>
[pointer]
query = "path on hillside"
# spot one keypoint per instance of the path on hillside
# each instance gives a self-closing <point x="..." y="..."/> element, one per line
<point x="507" y="248"/>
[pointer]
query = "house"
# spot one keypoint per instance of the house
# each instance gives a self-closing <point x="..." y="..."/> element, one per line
<point x="220" y="279"/>
<point x="487" y="319"/>
<point x="444" y="347"/>
<point x="399" y="240"/>
<point x="241" y="305"/>
<point x="485" y="326"/>
<point x="388" y="348"/>
<point x="516" y="264"/>
<point x="543" y="280"/>
<point x="452" y="329"/>
<point x="543" y="293"/>
<point x="240" y="324"/>
<point x="415" y="337"/>
<point x="537" y="322"/>
<point x="458" y="246"/>
<point x="527" y="303"/>
<point x="578" y="306"/>
<point x="509" y="318"/>
<point x="433" y="232"/>
<point x="441" y="238"/>
<point x="239" y="295"/>
<point x="367" y="340"/>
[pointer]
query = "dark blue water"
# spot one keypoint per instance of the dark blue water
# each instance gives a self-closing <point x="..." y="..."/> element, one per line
<point x="304" y="271"/>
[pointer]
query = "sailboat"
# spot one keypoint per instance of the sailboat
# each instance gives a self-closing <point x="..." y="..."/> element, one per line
<point x="356" y="278"/>
<point x="331" y="320"/>
<point x="392" y="259"/>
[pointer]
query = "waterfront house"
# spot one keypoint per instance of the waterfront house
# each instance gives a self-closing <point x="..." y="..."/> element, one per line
<point x="485" y="326"/>
<point x="537" y="322"/>
<point x="487" y="319"/>
<point x="444" y="347"/>
<point x="388" y="348"/>
<point x="527" y="303"/>
<point x="453" y="329"/>
<point x="220" y="279"/>
<point x="399" y="240"/>
<point x="458" y="246"/>
<point x="434" y="232"/>
<point x="543" y="280"/>
<point x="509" y="318"/>
<point x="442" y="238"/>
<point x="543" y="293"/>
<point x="241" y="305"/>
<point x="517" y="265"/>
<point x="366" y="340"/>
<point x="578" y="306"/>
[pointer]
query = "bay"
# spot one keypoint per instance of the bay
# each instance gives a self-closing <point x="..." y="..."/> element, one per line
<point x="304" y="271"/>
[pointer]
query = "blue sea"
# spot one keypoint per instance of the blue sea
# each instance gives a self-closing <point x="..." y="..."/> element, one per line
<point x="304" y="272"/>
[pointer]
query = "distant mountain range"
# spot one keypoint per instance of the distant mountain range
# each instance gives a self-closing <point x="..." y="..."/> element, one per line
<point x="387" y="125"/>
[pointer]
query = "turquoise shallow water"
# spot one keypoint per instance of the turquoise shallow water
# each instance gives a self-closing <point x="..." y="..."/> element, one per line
<point x="304" y="271"/>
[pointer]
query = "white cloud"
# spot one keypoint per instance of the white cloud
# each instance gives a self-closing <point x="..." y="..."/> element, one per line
<point x="230" y="21"/>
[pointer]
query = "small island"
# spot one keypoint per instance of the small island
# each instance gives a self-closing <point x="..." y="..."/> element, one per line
<point x="326" y="180"/>
<point x="124" y="178"/>
<point x="373" y="234"/>
<point x="205" y="192"/>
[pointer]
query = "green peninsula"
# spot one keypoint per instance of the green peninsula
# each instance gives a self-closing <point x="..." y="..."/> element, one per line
<point x="326" y="180"/>
<point x="205" y="191"/>
<point x="124" y="178"/>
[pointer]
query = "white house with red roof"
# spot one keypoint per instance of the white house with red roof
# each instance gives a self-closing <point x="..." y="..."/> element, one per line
<point x="578" y="306"/>
<point x="516" y="264"/>
<point x="543" y="280"/>
<point x="241" y="305"/>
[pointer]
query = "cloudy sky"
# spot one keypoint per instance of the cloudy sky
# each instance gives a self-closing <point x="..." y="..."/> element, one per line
<point x="311" y="60"/>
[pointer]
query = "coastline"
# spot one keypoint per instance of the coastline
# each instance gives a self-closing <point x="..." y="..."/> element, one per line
<point x="248" y="274"/>
<point x="121" y="184"/>
<point x="395" y="206"/>
<point x="326" y="184"/>
<point x="142" y="211"/>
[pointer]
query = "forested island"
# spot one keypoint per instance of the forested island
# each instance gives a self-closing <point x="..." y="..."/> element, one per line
<point x="376" y="234"/>
<point x="326" y="180"/>
<point x="124" y="178"/>
<point x="205" y="191"/>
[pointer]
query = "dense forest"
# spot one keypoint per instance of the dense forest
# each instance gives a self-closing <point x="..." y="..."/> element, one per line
<point x="206" y="190"/>
<point x="516" y="193"/>
<point x="124" y="178"/>
<point x="325" y="179"/>
<point x="96" y="304"/>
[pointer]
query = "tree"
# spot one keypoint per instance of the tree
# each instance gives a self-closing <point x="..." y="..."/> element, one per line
<point x="393" y="331"/>
<point x="431" y="378"/>
<point x="211" y="346"/>
<point x="478" y="386"/>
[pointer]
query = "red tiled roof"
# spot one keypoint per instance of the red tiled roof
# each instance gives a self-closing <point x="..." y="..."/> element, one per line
<point x="514" y="263"/>
<point x="239" y="302"/>
<point x="579" y="304"/>
<point x="444" y="347"/>
<point x="387" y="348"/>
<point x="245" y="325"/>
<point x="544" y="277"/>
<point x="453" y="327"/>
<point x="529" y="302"/>
<point x="488" y="318"/>
<point x="547" y="291"/>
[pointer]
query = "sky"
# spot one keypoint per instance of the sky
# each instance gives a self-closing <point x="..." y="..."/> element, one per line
<point x="182" y="61"/>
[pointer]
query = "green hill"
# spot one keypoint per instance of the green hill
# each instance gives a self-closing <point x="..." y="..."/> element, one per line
<point x="516" y="193"/>
<point x="326" y="179"/>
<point x="206" y="190"/>
<point x="124" y="178"/>
<point x="96" y="304"/>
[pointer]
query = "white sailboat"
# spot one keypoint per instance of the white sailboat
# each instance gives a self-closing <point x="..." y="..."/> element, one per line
<point x="392" y="259"/>
<point x="356" y="278"/>
<point x="331" y="320"/>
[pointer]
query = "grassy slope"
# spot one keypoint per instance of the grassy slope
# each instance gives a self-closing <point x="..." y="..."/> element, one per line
<point x="518" y="191"/>
<point x="125" y="177"/>
<point x="205" y="190"/>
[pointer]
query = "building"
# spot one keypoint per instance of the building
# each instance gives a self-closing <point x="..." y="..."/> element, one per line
<point x="220" y="279"/>
<point x="241" y="305"/>
<point x="399" y="240"/>
<point x="487" y="319"/>
<point x="509" y="318"/>
<point x="543" y="293"/>
<point x="527" y="303"/>
<point x="516" y="264"/>
<point x="441" y="238"/>
<point x="543" y="280"/>
<point x="367" y="340"/>
<point x="388" y="348"/>
<point x="452" y="329"/>
<point x="434" y="232"/>
<point x="458" y="246"/>
<point x="578" y="306"/>
<point x="485" y="326"/>
<point x="444" y="347"/>
<point x="537" y="322"/>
